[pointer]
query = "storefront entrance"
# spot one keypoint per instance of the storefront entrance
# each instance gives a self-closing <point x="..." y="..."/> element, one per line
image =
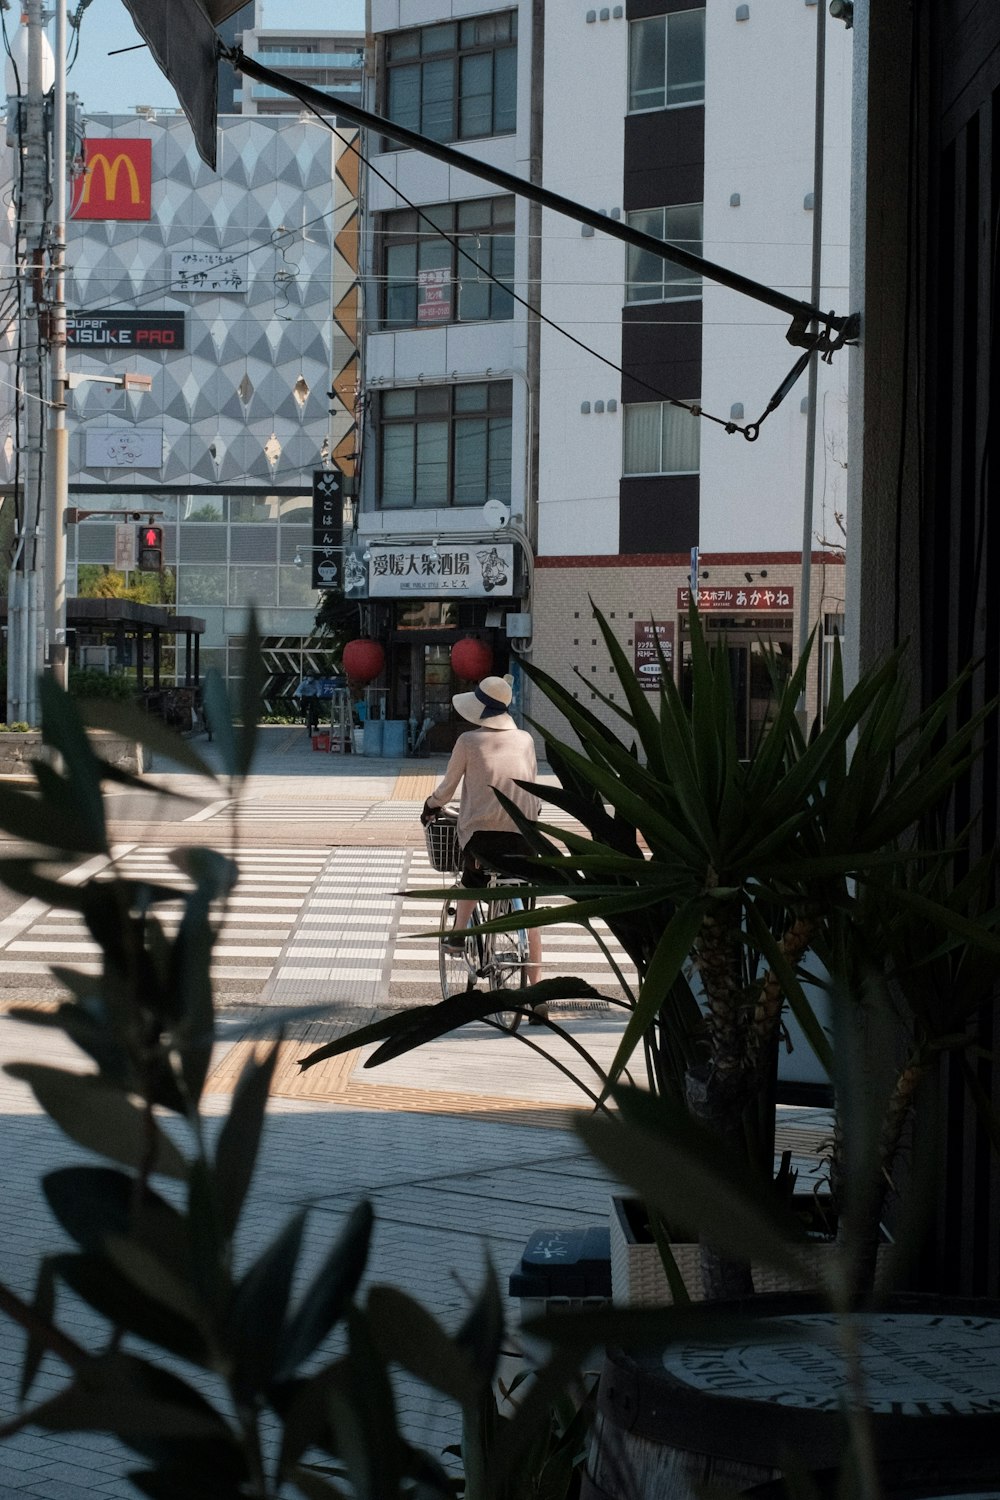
<point x="420" y="638"/>
<point x="746" y="643"/>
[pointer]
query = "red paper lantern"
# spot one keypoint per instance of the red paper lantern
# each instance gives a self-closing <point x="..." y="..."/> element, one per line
<point x="471" y="659"/>
<point x="363" y="660"/>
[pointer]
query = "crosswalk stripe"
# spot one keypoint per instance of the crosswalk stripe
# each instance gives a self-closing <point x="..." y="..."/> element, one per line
<point x="254" y="927"/>
<point x="310" y="925"/>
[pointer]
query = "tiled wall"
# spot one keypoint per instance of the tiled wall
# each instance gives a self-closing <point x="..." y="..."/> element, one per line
<point x="567" y="640"/>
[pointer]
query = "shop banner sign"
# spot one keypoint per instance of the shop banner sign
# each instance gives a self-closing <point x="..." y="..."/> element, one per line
<point x="125" y="330"/>
<point x="328" y="528"/>
<point x="218" y="271"/>
<point x="124" y="448"/>
<point x="433" y="296"/>
<point x="747" y="599"/>
<point x="475" y="571"/>
<point x="648" y="635"/>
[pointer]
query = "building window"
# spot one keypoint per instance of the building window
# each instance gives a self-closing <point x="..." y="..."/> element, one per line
<point x="666" y="63"/>
<point x="649" y="278"/>
<point x="445" y="445"/>
<point x="661" y="439"/>
<point x="428" y="280"/>
<point x="455" y="81"/>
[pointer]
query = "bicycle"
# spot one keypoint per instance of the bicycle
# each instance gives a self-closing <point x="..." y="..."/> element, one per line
<point x="500" y="958"/>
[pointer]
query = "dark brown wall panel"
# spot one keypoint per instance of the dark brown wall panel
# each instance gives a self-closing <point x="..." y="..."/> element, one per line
<point x="664" y="157"/>
<point x="659" y="514"/>
<point x="634" y="9"/>
<point x="661" y="344"/>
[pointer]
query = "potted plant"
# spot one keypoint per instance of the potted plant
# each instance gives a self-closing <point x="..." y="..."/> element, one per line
<point x="730" y="873"/>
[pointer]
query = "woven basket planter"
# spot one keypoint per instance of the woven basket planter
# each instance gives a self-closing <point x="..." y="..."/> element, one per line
<point x="637" y="1275"/>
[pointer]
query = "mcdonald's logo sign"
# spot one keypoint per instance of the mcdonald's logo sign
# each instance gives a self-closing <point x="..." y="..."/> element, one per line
<point x="117" y="180"/>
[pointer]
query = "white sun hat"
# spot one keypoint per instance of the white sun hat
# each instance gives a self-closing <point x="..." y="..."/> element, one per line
<point x="487" y="704"/>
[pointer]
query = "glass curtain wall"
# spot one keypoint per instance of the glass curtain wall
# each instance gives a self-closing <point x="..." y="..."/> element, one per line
<point x="222" y="553"/>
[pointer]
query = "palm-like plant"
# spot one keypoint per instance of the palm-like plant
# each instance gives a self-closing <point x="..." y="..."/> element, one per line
<point x="728" y="870"/>
<point x="758" y="860"/>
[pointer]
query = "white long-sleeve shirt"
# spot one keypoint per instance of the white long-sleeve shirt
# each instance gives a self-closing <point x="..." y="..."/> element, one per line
<point x="481" y="760"/>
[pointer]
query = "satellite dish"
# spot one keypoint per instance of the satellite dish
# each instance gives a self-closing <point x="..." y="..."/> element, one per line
<point x="496" y="514"/>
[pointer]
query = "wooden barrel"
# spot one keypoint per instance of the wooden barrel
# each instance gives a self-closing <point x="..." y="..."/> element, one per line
<point x="695" y="1414"/>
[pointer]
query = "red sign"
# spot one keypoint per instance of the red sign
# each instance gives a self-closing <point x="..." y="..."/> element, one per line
<point x="117" y="180"/>
<point x="747" y="599"/>
<point x="648" y="635"/>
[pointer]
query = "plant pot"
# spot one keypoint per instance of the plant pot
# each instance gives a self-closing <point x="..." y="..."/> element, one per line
<point x="673" y="1421"/>
<point x="637" y="1275"/>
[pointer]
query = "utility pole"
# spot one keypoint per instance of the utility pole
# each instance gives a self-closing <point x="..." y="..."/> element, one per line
<point x="24" y="642"/>
<point x="815" y="292"/>
<point x="58" y="443"/>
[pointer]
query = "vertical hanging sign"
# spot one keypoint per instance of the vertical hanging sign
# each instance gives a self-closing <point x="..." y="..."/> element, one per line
<point x="328" y="529"/>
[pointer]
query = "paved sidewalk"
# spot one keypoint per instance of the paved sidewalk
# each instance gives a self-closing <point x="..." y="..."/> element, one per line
<point x="464" y="1148"/>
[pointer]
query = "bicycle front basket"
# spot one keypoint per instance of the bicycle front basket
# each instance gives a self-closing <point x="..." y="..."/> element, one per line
<point x="442" y="844"/>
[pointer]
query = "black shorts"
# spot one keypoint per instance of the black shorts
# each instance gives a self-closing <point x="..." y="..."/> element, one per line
<point x="492" y="851"/>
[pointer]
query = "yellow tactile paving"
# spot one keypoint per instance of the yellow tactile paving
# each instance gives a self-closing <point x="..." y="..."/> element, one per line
<point x="332" y="1083"/>
<point x="414" y="786"/>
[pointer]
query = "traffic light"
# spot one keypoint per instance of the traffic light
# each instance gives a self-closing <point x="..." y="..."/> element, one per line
<point x="149" y="552"/>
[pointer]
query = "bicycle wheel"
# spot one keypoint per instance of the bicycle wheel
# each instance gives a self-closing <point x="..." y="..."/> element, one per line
<point x="457" y="966"/>
<point x="505" y="962"/>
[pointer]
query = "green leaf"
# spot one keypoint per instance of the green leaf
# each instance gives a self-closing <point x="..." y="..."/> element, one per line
<point x="209" y="1245"/>
<point x="655" y="1328"/>
<point x="91" y="1203"/>
<point x="329" y="1293"/>
<point x="411" y="1028"/>
<point x="97" y="1280"/>
<point x="803" y="1012"/>
<point x="43" y="1305"/>
<point x="190" y="1481"/>
<point x="147" y="1270"/>
<point x="314" y="1487"/>
<point x="133" y="723"/>
<point x="481" y="1333"/>
<point x="26" y="816"/>
<point x="63" y="730"/>
<point x="239" y="1139"/>
<point x="220" y="717"/>
<point x="363" y="1411"/>
<point x="645" y="720"/>
<point x="518" y="1444"/>
<point x="408" y="1335"/>
<point x="252" y="685"/>
<point x="101" y="1118"/>
<point x="190" y="963"/>
<point x="127" y="1396"/>
<point x="672" y="952"/>
<point x="256" y="1312"/>
<point x="692" y="1179"/>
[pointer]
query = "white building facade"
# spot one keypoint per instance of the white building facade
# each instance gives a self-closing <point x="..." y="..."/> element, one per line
<point x="234" y="292"/>
<point x="696" y="124"/>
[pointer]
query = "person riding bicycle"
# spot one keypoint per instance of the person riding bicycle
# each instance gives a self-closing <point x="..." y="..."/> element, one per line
<point x="494" y="756"/>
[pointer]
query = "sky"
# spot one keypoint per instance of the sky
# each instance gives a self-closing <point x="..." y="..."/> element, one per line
<point x="116" y="84"/>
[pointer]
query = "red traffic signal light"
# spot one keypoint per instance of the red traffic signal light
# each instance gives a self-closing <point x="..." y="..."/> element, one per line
<point x="150" y="549"/>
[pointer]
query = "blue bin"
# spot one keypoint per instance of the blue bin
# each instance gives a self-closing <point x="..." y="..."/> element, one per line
<point x="394" y="739"/>
<point x="373" y="737"/>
